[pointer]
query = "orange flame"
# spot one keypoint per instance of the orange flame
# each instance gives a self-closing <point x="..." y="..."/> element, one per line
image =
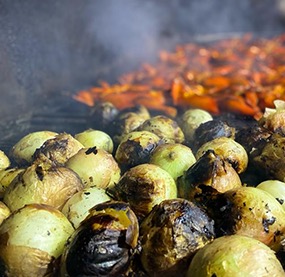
<point x="237" y="75"/>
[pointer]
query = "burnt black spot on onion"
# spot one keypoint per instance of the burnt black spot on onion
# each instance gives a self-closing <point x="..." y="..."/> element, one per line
<point x="251" y="212"/>
<point x="91" y="150"/>
<point x="40" y="173"/>
<point x="104" y="243"/>
<point x="170" y="235"/>
<point x="136" y="148"/>
<point x="102" y="114"/>
<point x="58" y="149"/>
<point x="266" y="222"/>
<point x="281" y="201"/>
<point x="211" y="174"/>
<point x="210" y="130"/>
<point x="2" y="268"/>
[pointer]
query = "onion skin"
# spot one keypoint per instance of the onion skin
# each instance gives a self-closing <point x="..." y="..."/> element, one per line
<point x="190" y="120"/>
<point x="22" y="152"/>
<point x="229" y="149"/>
<point x="251" y="212"/>
<point x="209" y="175"/>
<point x="143" y="187"/>
<point x="76" y="209"/>
<point x="6" y="178"/>
<point x="164" y="127"/>
<point x="175" y="158"/>
<point x="90" y="138"/>
<point x="95" y="167"/>
<point x="276" y="188"/>
<point x="42" y="183"/>
<point x="135" y="148"/>
<point x="235" y="256"/>
<point x="31" y="239"/>
<point x="58" y="149"/>
<point x="103" y="244"/>
<point x="170" y="235"/>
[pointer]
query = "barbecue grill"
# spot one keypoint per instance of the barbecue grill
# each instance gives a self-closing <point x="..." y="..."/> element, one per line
<point x="59" y="58"/>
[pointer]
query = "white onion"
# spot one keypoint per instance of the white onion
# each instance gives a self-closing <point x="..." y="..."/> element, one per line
<point x="90" y="138"/>
<point x="31" y="238"/>
<point x="95" y="167"/>
<point x="22" y="152"/>
<point x="229" y="149"/>
<point x="276" y="188"/>
<point x="77" y="207"/>
<point x="6" y="178"/>
<point x="191" y="119"/>
<point x="42" y="183"/>
<point x="175" y="158"/>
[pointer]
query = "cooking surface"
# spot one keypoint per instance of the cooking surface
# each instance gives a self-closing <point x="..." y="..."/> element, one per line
<point x="69" y="116"/>
<point x="50" y="50"/>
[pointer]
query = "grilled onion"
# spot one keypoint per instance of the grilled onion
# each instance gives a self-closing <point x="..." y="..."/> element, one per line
<point x="102" y="115"/>
<point x="95" y="167"/>
<point x="6" y="178"/>
<point x="42" y="183"/>
<point x="164" y="127"/>
<point x="143" y="187"/>
<point x="268" y="159"/>
<point x="251" y="212"/>
<point x="90" y="138"/>
<point x="276" y="188"/>
<point x="4" y="212"/>
<point x="211" y="174"/>
<point x="31" y="239"/>
<point x="77" y="207"/>
<point x="229" y="149"/>
<point x="135" y="148"/>
<point x="22" y="152"/>
<point x="104" y="243"/>
<point x="58" y="149"/>
<point x="4" y="160"/>
<point x="190" y="120"/>
<point x="175" y="158"/>
<point x="273" y="119"/>
<point x="235" y="256"/>
<point x="170" y="235"/>
<point x="124" y="124"/>
<point x="210" y="130"/>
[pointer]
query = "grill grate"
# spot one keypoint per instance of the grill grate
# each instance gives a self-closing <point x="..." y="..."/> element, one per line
<point x="71" y="117"/>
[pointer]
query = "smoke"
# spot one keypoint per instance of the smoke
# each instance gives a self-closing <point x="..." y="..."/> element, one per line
<point x="125" y="26"/>
<point x="141" y="28"/>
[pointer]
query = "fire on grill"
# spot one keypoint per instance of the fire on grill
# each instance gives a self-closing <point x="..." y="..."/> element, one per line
<point x="242" y="75"/>
<point x="182" y="160"/>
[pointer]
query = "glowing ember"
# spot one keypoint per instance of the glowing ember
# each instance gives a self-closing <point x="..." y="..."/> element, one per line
<point x="241" y="76"/>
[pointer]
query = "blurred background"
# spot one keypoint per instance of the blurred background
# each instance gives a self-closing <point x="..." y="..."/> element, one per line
<point x="50" y="48"/>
